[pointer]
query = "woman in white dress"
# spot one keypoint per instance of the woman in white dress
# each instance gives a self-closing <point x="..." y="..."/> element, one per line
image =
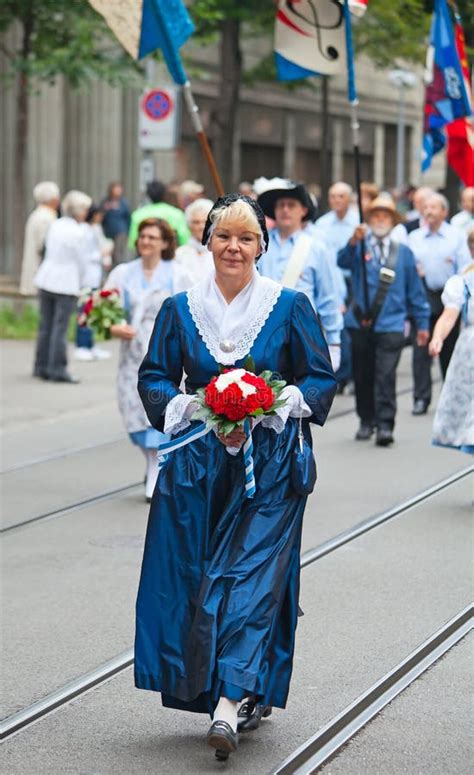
<point x="454" y="420"/>
<point x="143" y="284"/>
<point x="195" y="257"/>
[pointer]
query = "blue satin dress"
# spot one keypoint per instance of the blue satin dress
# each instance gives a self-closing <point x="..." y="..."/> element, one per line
<point x="217" y="603"/>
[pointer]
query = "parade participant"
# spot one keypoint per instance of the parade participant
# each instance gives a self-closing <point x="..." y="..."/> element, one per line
<point x="46" y="196"/>
<point x="298" y="260"/>
<point x="144" y="284"/>
<point x="159" y="208"/>
<point x="414" y="217"/>
<point x="335" y="229"/>
<point x="395" y="291"/>
<point x="188" y="192"/>
<point x="116" y="221"/>
<point x="194" y="257"/>
<point x="99" y="250"/>
<point x="453" y="424"/>
<point x="60" y="279"/>
<point x="464" y="219"/>
<point x="218" y="597"/>
<point x="440" y="251"/>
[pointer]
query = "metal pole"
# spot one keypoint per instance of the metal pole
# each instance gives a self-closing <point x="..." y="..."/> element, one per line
<point x="355" y="126"/>
<point x="400" y="177"/>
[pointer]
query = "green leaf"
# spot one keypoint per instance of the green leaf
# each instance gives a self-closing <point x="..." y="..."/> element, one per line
<point x="249" y="364"/>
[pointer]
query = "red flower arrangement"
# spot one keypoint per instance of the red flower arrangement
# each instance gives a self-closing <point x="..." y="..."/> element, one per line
<point x="236" y="395"/>
<point x="99" y="310"/>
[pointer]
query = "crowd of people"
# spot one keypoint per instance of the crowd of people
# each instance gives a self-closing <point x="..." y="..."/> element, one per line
<point x="341" y="265"/>
<point x="322" y="302"/>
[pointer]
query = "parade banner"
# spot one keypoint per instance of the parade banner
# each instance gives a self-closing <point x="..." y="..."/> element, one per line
<point x="446" y="97"/>
<point x="143" y="26"/>
<point x="309" y="39"/>
<point x="146" y="25"/>
<point x="461" y="132"/>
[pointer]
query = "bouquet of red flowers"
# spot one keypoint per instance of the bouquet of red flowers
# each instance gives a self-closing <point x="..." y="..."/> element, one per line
<point x="100" y="310"/>
<point x="236" y="395"/>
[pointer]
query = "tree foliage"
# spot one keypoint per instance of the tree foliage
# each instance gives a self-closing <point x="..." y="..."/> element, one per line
<point x="62" y="37"/>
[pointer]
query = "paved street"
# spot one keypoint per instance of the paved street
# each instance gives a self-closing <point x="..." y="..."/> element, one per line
<point x="70" y="578"/>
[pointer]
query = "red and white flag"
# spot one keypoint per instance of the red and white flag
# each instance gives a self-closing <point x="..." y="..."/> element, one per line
<point x="358" y="7"/>
<point x="461" y="132"/>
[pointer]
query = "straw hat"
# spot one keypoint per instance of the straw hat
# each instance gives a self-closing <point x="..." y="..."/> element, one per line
<point x="386" y="203"/>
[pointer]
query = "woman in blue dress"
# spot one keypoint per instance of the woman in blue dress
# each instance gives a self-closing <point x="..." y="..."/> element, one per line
<point x="218" y="597"/>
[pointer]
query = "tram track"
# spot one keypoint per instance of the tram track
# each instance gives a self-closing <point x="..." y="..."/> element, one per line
<point x="24" y="718"/>
<point x="107" y="494"/>
<point x="319" y="749"/>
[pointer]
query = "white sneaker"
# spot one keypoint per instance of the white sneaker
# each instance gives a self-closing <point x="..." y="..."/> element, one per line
<point x="98" y="354"/>
<point x="83" y="354"/>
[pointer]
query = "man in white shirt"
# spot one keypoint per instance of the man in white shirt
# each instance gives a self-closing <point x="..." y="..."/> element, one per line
<point x="440" y="251"/>
<point x="464" y="219"/>
<point x="46" y="196"/>
<point x="335" y="229"/>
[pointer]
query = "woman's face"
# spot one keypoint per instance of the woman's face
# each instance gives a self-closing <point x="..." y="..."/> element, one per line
<point x="234" y="248"/>
<point x="150" y="242"/>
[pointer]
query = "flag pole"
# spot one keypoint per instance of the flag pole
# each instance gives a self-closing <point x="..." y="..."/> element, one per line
<point x="355" y="126"/>
<point x="182" y="79"/>
<point x="194" y="114"/>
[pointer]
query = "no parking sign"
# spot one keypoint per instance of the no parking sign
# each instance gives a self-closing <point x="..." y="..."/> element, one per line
<point x="158" y="119"/>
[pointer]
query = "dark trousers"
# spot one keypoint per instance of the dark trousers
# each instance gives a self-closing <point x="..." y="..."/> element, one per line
<point x="421" y="360"/>
<point x="51" y="346"/>
<point x="374" y="364"/>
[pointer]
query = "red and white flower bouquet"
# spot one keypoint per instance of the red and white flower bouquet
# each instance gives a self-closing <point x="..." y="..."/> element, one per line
<point x="99" y="310"/>
<point x="237" y="395"/>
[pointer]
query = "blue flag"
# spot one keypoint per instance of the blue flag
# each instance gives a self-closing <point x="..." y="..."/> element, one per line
<point x="143" y="26"/>
<point x="446" y="98"/>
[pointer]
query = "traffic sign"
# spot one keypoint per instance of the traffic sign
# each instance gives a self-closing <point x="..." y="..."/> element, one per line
<point x="158" y="119"/>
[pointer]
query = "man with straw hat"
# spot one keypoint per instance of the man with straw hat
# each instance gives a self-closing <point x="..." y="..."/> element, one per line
<point x="395" y="292"/>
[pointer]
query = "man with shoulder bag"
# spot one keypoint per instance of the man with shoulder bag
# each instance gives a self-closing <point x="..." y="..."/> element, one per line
<point x="395" y="292"/>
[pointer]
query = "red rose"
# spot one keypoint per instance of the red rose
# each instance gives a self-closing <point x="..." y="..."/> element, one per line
<point x="266" y="397"/>
<point x="105" y="294"/>
<point x="88" y="306"/>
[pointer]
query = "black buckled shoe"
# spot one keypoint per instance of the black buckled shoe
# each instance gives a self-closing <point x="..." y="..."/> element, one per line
<point x="222" y="737"/>
<point x="250" y="715"/>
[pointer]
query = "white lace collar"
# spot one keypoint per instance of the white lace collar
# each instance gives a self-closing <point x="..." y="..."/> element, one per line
<point x="229" y="330"/>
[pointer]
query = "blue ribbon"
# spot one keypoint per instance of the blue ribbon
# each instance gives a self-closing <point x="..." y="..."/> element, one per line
<point x="166" y="447"/>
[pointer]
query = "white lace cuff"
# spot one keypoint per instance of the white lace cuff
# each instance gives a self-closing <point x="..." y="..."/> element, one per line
<point x="179" y="412"/>
<point x="295" y="406"/>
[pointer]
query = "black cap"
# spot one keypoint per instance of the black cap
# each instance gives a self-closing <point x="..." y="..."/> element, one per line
<point x="228" y="199"/>
<point x="268" y="199"/>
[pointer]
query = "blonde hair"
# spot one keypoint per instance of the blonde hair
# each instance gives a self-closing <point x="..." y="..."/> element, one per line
<point x="238" y="211"/>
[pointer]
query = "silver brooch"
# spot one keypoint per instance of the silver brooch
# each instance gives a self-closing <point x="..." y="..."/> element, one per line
<point x="227" y="346"/>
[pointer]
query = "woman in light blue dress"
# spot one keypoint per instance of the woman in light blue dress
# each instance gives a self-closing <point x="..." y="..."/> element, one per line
<point x="453" y="424"/>
<point x="144" y="284"/>
<point x="218" y="598"/>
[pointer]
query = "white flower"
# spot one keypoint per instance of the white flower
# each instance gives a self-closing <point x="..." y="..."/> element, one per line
<point x="235" y="377"/>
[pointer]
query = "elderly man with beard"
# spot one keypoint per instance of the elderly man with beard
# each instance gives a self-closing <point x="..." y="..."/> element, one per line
<point x="395" y="291"/>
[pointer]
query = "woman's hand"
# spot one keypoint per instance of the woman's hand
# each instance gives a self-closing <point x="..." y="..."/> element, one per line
<point x="234" y="439"/>
<point x="435" y="346"/>
<point x="122" y="331"/>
